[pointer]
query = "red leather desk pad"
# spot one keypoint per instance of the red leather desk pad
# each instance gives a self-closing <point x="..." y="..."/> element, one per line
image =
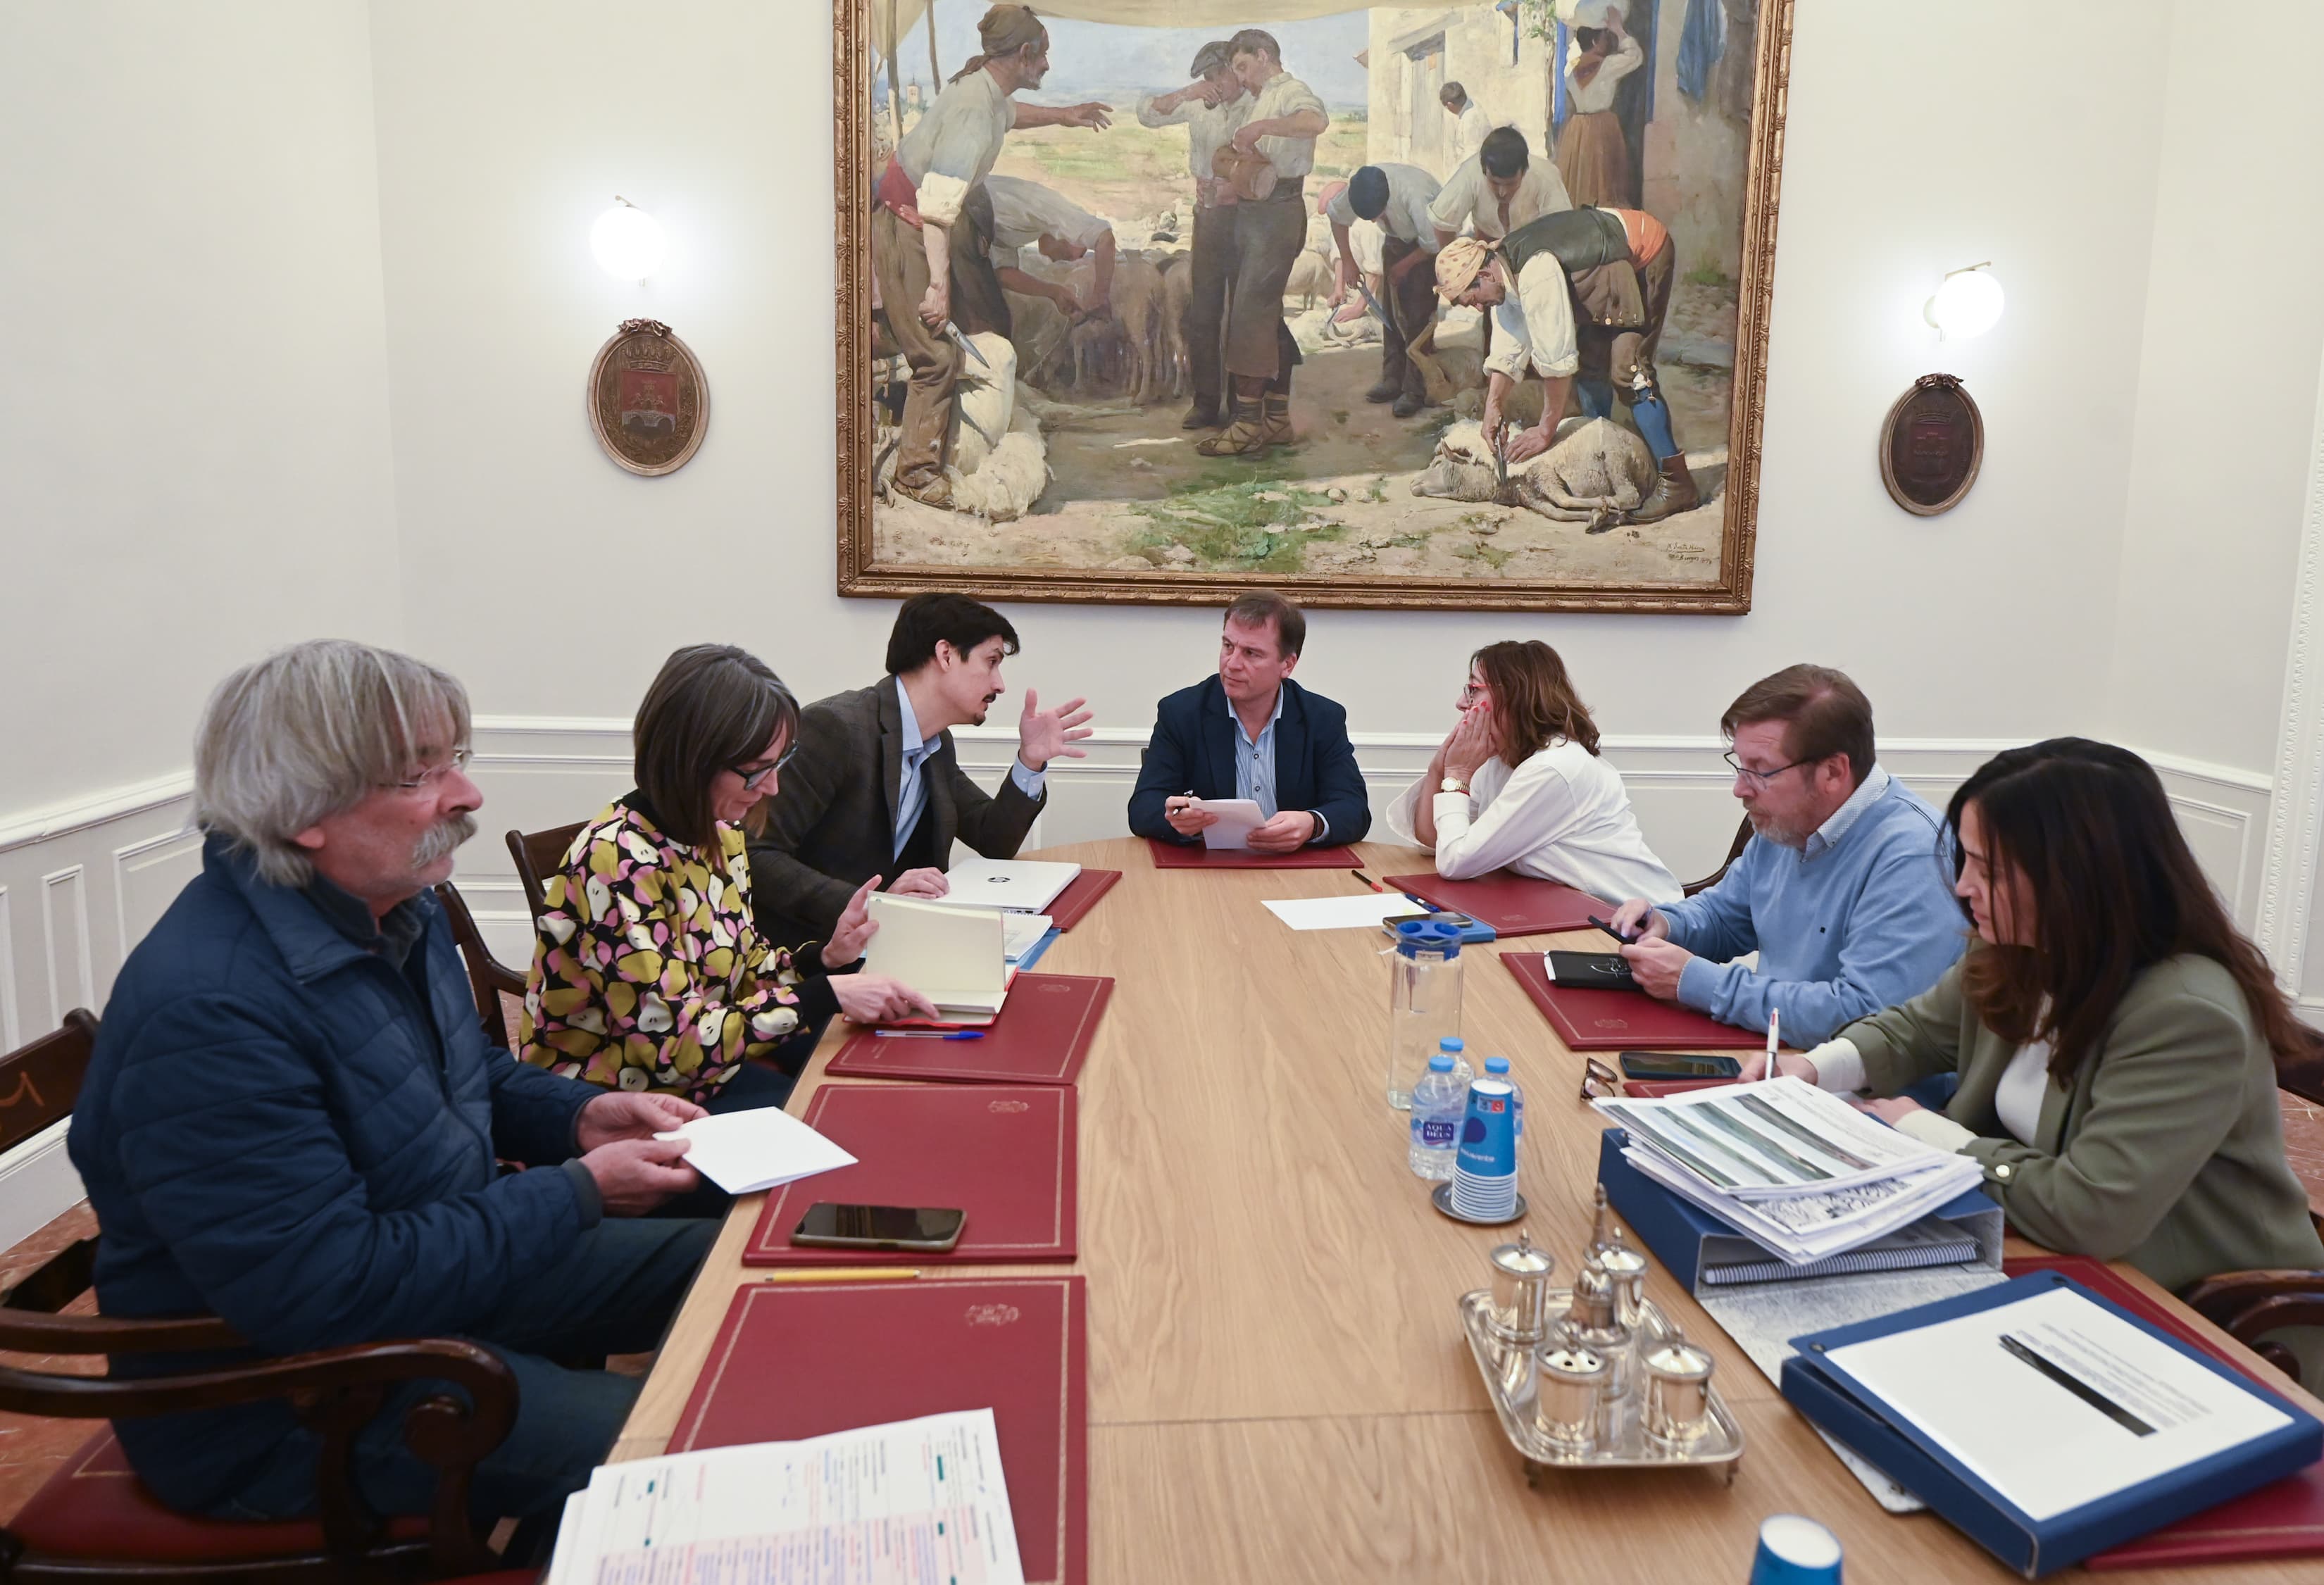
<point x="1169" y="855"/>
<point x="1041" y="1037"/>
<point x="798" y="1360"/>
<point x="1512" y="905"/>
<point x="2285" y="1518"/>
<point x="1079" y="897"/>
<point x="1006" y="1156"/>
<point x="1622" y="1020"/>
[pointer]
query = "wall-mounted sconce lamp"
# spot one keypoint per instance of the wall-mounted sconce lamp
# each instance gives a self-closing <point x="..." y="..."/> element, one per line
<point x="627" y="241"/>
<point x="1967" y="302"/>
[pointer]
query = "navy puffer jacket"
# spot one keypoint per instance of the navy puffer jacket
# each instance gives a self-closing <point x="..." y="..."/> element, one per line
<point x="275" y="1131"/>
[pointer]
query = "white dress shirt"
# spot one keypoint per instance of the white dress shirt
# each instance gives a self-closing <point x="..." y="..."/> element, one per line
<point x="1561" y="815"/>
<point x="1410" y="191"/>
<point x="1286" y="95"/>
<point x="1469" y="132"/>
<point x="1024" y="212"/>
<point x="1465" y="200"/>
<point x="952" y="147"/>
<point x="1534" y="323"/>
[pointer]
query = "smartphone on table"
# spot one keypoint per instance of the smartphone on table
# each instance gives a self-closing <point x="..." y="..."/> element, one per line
<point x="1677" y="1065"/>
<point x="831" y="1225"/>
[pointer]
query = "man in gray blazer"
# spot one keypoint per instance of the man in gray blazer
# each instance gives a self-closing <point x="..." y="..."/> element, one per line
<point x="874" y="787"/>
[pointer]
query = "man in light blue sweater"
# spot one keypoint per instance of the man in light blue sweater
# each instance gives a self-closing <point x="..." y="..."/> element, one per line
<point x="1844" y="890"/>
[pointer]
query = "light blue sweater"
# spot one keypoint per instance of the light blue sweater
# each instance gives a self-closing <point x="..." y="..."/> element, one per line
<point x="1861" y="918"/>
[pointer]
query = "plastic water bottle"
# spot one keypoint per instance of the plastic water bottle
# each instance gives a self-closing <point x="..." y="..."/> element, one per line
<point x="1498" y="1067"/>
<point x="1451" y="1046"/>
<point x="1439" y="1101"/>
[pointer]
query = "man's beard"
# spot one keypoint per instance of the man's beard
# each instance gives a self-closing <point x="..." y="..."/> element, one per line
<point x="1782" y="836"/>
<point x="441" y="838"/>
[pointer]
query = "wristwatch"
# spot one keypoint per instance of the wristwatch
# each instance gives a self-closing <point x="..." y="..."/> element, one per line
<point x="1453" y="784"/>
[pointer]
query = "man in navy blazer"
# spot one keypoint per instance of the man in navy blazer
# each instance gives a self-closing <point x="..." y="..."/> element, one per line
<point x="1252" y="733"/>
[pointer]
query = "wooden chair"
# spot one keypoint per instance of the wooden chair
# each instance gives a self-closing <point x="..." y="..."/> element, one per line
<point x="539" y="853"/>
<point x="2244" y="1305"/>
<point x="93" y="1522"/>
<point x="488" y="977"/>
<point x="1734" y="852"/>
<point x="39" y="1084"/>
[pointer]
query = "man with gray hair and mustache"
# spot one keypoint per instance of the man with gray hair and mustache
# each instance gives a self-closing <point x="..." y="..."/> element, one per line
<point x="292" y="1119"/>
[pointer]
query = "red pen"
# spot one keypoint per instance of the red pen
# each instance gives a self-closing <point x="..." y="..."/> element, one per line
<point x="1368" y="880"/>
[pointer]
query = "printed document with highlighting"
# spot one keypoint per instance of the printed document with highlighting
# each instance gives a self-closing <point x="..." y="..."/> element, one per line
<point x="1236" y="819"/>
<point x="2075" y="1406"/>
<point x="915" y="1500"/>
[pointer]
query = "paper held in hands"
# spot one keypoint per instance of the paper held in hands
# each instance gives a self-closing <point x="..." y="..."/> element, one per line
<point x="743" y="1152"/>
<point x="1237" y="817"/>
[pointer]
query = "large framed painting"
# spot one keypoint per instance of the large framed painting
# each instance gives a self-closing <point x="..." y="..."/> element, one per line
<point x="1459" y="305"/>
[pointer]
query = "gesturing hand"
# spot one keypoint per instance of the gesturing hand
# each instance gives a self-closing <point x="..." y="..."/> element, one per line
<point x="875" y="999"/>
<point x="628" y="1114"/>
<point x="855" y="927"/>
<point x="634" y="1175"/>
<point x="1091" y="113"/>
<point x="1043" y="735"/>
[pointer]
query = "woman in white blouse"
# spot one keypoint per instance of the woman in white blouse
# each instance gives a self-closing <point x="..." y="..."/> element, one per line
<point x="1518" y="783"/>
<point x="1593" y="153"/>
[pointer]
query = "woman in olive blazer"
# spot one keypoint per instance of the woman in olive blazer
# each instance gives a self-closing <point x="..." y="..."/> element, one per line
<point x="2115" y="1038"/>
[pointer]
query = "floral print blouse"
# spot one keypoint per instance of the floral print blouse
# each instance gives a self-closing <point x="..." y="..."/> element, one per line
<point x="648" y="972"/>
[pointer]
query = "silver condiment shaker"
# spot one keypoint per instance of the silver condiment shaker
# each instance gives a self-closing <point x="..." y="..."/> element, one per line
<point x="1520" y="1314"/>
<point x="1592" y="1322"/>
<point x="1626" y="1268"/>
<point x="1569" y="1385"/>
<point x="1677" y="1410"/>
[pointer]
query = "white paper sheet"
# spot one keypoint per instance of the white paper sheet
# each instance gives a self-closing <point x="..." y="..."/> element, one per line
<point x="916" y="1500"/>
<point x="1236" y="817"/>
<point x="1363" y="910"/>
<point x="2038" y="1443"/>
<point x="744" y="1151"/>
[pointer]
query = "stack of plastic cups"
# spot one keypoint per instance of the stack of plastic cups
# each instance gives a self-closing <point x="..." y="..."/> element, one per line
<point x="1484" y="1171"/>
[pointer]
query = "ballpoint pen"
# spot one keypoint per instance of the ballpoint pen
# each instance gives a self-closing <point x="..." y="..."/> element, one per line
<point x="1775" y="1022"/>
<point x="1368" y="880"/>
<point x="929" y="1034"/>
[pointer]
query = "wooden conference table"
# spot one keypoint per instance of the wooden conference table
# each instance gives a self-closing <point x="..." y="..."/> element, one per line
<point x="1279" y="1389"/>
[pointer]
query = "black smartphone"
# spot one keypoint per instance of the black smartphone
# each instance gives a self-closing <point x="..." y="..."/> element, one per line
<point x="1677" y="1065"/>
<point x="828" y="1224"/>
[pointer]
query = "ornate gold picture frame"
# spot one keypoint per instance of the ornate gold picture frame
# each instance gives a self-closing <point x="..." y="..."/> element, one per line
<point x="649" y="405"/>
<point x="1062" y="470"/>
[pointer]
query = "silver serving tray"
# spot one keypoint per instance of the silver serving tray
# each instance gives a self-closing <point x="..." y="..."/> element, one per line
<point x="1508" y="1373"/>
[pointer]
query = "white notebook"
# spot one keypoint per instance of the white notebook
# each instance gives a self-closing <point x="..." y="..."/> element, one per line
<point x="955" y="957"/>
<point x="1022" y="886"/>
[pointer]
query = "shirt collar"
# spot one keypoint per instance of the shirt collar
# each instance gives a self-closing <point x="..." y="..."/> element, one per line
<point x="1867" y="794"/>
<point x="1280" y="693"/>
<point x="390" y="937"/>
<point x="914" y="743"/>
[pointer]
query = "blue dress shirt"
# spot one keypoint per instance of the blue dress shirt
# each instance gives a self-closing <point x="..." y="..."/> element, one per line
<point x="1255" y="764"/>
<point x="911" y="789"/>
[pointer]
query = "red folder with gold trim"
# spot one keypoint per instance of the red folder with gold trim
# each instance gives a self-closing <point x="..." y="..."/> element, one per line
<point x="1512" y="905"/>
<point x="1622" y="1020"/>
<point x="1004" y="1154"/>
<point x="1171" y="855"/>
<point x="798" y="1360"/>
<point x="1042" y="1033"/>
<point x="2285" y="1518"/>
<point x="1080" y="896"/>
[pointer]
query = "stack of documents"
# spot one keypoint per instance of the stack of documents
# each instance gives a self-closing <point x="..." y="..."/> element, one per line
<point x="1791" y="1167"/>
<point x="1021" y="934"/>
<point x="918" y="1499"/>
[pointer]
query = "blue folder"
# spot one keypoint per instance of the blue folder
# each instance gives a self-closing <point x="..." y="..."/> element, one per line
<point x="1827" y="1396"/>
<point x="1684" y="1236"/>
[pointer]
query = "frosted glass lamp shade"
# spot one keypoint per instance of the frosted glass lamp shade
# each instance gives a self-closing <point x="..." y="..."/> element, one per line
<point x="628" y="242"/>
<point x="1968" y="303"/>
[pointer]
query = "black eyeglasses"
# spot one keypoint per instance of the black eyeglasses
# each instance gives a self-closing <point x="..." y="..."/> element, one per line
<point x="1599" y="1082"/>
<point x="1760" y="777"/>
<point x="752" y="780"/>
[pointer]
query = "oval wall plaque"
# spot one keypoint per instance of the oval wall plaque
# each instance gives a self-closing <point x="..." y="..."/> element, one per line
<point x="647" y="401"/>
<point x="1932" y="445"/>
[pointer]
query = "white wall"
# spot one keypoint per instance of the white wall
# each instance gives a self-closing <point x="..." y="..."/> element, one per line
<point x="194" y="446"/>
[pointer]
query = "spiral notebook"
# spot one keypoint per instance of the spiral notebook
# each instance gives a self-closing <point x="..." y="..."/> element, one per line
<point x="1923" y="1243"/>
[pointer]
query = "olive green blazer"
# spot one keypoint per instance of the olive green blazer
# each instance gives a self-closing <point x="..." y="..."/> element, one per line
<point x="2167" y="1149"/>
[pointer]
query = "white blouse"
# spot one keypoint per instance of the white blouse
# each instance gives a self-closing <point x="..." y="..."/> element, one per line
<point x="1561" y="815"/>
<point x="1597" y="94"/>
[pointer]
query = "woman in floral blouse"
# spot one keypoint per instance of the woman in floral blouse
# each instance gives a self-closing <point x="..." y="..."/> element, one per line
<point x="647" y="970"/>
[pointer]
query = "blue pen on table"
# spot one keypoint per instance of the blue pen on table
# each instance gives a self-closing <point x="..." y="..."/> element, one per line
<point x="929" y="1034"/>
